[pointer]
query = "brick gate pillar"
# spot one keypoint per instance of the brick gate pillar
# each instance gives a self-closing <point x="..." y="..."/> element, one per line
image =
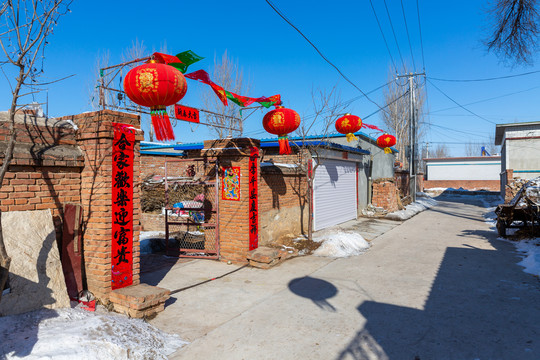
<point x="95" y="138"/>
<point x="234" y="224"/>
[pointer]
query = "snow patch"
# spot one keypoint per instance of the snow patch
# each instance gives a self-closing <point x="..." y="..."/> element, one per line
<point x="79" y="334"/>
<point x="423" y="202"/>
<point x="340" y="244"/>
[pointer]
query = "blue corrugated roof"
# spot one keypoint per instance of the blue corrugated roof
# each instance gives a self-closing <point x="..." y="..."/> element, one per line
<point x="295" y="141"/>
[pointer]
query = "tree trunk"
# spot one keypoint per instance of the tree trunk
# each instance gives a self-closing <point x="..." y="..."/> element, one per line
<point x="5" y="261"/>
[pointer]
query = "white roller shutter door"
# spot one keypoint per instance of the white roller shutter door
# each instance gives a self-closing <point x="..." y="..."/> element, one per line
<point x="334" y="193"/>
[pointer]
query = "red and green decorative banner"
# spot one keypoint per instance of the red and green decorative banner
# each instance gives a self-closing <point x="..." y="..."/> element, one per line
<point x="230" y="189"/>
<point x="253" y="200"/>
<point x="181" y="61"/>
<point x="122" y="206"/>
<point x="224" y="95"/>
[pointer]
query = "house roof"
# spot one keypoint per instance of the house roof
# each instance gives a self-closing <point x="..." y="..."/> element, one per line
<point x="500" y="129"/>
<point x="265" y="143"/>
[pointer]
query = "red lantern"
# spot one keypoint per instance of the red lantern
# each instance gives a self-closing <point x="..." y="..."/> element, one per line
<point x="156" y="86"/>
<point x="349" y="124"/>
<point x="386" y="141"/>
<point x="280" y="122"/>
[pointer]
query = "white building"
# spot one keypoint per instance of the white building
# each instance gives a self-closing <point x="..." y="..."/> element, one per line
<point x="463" y="168"/>
<point x="520" y="149"/>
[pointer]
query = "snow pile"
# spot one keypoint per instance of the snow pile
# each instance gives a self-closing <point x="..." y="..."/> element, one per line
<point x="340" y="244"/>
<point x="79" y="334"/>
<point x="530" y="250"/>
<point x="423" y="202"/>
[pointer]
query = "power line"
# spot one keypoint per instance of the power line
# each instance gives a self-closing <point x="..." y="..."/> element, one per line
<point x="461" y="106"/>
<point x="395" y="38"/>
<point x="484" y="100"/>
<point x="408" y="36"/>
<point x="421" y="41"/>
<point x="384" y="38"/>
<point x="486" y="79"/>
<point x="348" y="102"/>
<point x="319" y="52"/>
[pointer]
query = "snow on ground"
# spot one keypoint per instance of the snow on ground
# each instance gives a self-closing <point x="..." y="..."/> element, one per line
<point x="423" y="202"/>
<point x="80" y="334"/>
<point x="340" y="244"/>
<point x="528" y="249"/>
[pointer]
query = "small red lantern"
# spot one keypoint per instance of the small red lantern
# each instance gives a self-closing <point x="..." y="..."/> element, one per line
<point x="386" y="141"/>
<point x="157" y="86"/>
<point x="280" y="122"/>
<point x="349" y="124"/>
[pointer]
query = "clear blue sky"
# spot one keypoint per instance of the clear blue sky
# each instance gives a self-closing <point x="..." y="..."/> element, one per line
<point x="278" y="60"/>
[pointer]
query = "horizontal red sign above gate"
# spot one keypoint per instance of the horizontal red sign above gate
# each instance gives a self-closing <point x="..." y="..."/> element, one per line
<point x="186" y="113"/>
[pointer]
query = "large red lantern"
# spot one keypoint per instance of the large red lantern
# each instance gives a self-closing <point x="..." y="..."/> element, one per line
<point x="349" y="124"/>
<point x="281" y="121"/>
<point x="386" y="141"/>
<point x="157" y="86"/>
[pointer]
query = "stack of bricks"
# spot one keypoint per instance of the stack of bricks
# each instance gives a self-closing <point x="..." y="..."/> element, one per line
<point x="385" y="195"/>
<point x="95" y="137"/>
<point x="45" y="172"/>
<point x="233" y="215"/>
<point x="139" y="301"/>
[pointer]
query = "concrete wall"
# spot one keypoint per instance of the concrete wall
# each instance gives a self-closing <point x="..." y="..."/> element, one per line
<point x="383" y="164"/>
<point x="523" y="156"/>
<point x="472" y="168"/>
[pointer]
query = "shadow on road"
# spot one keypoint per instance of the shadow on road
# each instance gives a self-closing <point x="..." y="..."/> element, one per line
<point x="481" y="306"/>
<point x="316" y="290"/>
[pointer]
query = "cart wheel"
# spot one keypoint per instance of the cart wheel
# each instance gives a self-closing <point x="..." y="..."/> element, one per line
<point x="501" y="227"/>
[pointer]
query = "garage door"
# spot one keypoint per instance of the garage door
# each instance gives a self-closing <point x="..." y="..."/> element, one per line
<point x="334" y="193"/>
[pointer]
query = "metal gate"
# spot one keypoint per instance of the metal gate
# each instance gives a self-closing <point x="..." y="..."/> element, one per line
<point x="191" y="208"/>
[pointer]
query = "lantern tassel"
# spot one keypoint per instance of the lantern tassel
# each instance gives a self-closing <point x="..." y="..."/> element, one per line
<point x="351" y="137"/>
<point x="387" y="150"/>
<point x="284" y="148"/>
<point x="162" y="125"/>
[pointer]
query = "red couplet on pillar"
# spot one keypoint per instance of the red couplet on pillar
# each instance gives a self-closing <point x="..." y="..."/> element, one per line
<point x="122" y="206"/>
<point x="253" y="199"/>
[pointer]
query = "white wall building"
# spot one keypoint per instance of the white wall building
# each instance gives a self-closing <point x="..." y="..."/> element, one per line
<point x="520" y="149"/>
<point x="464" y="168"/>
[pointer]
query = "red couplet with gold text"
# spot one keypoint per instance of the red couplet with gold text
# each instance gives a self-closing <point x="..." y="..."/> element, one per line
<point x="122" y="206"/>
<point x="253" y="200"/>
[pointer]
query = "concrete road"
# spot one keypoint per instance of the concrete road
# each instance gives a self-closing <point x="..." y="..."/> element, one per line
<point x="438" y="286"/>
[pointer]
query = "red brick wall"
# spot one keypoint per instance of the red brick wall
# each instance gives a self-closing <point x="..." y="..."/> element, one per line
<point x="95" y="137"/>
<point x="385" y="195"/>
<point x="45" y="172"/>
<point x="491" y="185"/>
<point x="155" y="165"/>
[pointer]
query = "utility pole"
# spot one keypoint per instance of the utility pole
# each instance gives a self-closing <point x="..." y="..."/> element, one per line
<point x="412" y="133"/>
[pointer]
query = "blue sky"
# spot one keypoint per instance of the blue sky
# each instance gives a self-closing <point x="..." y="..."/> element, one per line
<point x="278" y="60"/>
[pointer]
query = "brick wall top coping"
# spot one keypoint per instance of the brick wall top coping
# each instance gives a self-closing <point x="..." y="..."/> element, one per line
<point x="97" y="113"/>
<point x="38" y="121"/>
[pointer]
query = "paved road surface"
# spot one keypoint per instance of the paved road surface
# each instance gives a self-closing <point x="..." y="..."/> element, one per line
<point x="438" y="286"/>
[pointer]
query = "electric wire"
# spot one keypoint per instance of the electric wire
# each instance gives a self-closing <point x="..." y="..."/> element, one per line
<point x="461" y="106"/>
<point x="384" y="37"/>
<point x="408" y="36"/>
<point x="486" y="79"/>
<point x="484" y="100"/>
<point x="420" y="32"/>
<point x="319" y="52"/>
<point x="395" y="37"/>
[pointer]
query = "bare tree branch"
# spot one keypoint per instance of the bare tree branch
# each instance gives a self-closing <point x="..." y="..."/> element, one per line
<point x="228" y="74"/>
<point x="514" y="30"/>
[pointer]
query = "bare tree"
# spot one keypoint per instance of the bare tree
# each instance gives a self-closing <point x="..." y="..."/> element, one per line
<point x="441" y="151"/>
<point x="228" y="74"/>
<point x="397" y="116"/>
<point x="25" y="28"/>
<point x="513" y="30"/>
